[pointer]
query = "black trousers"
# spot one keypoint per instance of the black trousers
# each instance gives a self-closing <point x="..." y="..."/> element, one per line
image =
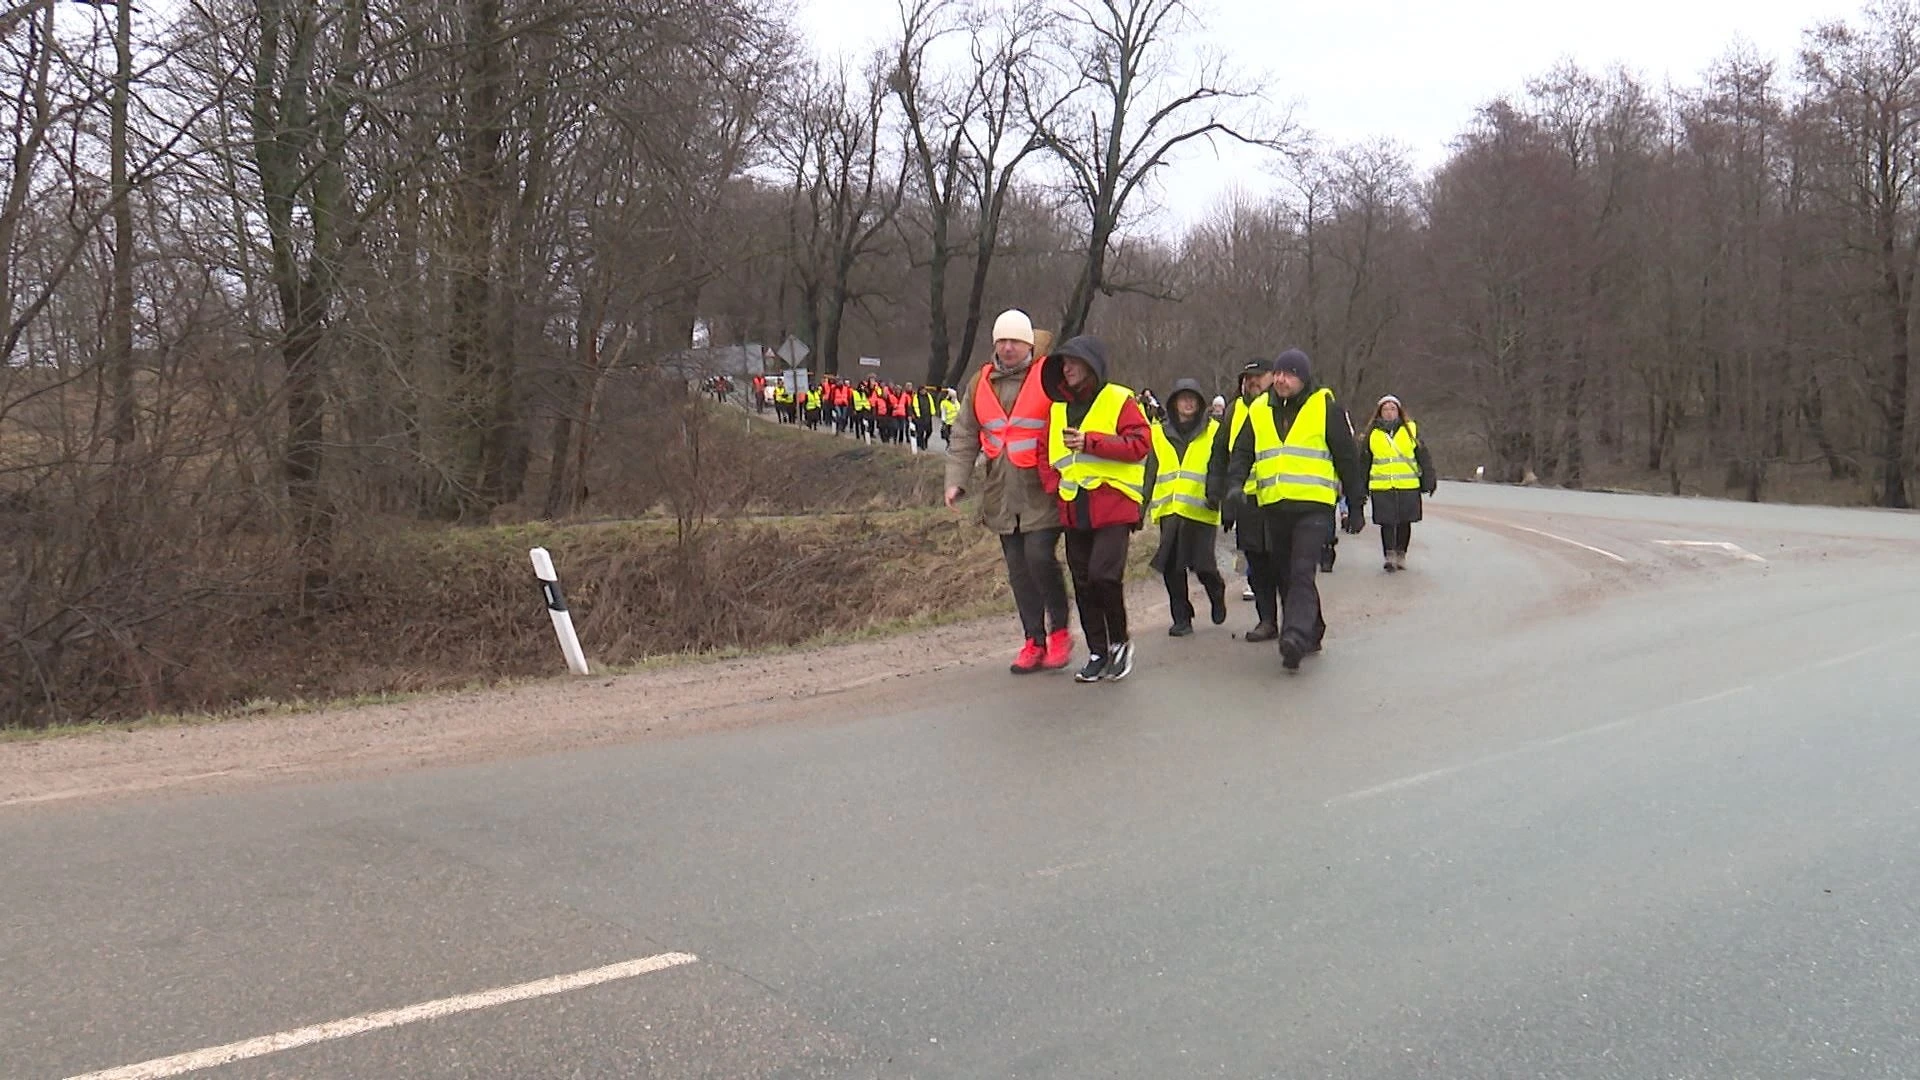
<point x="1098" y="560"/>
<point x="1395" y="538"/>
<point x="1179" y="604"/>
<point x="1291" y="561"/>
<point x="1039" y="589"/>
<point x="922" y="432"/>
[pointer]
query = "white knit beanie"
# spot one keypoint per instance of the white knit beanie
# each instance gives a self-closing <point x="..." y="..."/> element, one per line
<point x="1013" y="326"/>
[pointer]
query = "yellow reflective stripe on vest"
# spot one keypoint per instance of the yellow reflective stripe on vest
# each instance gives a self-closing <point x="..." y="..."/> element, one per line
<point x="1080" y="472"/>
<point x="1298" y="468"/>
<point x="1180" y="483"/>
<point x="1394" y="466"/>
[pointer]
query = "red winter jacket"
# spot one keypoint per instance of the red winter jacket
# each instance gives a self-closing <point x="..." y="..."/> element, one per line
<point x="1100" y="507"/>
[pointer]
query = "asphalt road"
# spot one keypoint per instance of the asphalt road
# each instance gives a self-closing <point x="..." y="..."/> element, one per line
<point x="1578" y="796"/>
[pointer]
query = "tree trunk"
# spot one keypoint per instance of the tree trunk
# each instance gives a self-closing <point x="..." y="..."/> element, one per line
<point x="120" y="322"/>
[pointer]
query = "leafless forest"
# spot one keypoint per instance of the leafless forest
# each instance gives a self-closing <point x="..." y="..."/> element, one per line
<point x="278" y="276"/>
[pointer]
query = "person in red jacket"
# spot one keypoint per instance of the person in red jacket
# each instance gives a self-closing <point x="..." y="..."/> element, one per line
<point x="1098" y="441"/>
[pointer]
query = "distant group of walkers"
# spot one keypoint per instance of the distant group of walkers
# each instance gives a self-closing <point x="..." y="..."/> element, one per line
<point x="869" y="409"/>
<point x="1062" y="451"/>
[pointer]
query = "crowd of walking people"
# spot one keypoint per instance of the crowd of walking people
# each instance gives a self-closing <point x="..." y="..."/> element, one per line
<point x="868" y="409"/>
<point x="1056" y="450"/>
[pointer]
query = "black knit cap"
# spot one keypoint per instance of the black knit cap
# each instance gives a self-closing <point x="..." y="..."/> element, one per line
<point x="1295" y="363"/>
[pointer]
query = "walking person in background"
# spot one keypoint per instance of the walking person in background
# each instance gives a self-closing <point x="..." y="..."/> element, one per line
<point x="1399" y="473"/>
<point x="898" y="401"/>
<point x="1177" y="502"/>
<point x="922" y="407"/>
<point x="1097" y="445"/>
<point x="1298" y="448"/>
<point x="1255" y="378"/>
<point x="1002" y="425"/>
<point x="949" y="412"/>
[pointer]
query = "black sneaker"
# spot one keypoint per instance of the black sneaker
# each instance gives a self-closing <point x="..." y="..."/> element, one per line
<point x="1217" y="598"/>
<point x="1120" y="664"/>
<point x="1096" y="664"/>
<point x="1291" y="650"/>
<point x="1181" y="629"/>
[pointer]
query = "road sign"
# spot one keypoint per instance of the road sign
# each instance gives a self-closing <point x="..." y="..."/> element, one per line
<point x="793" y="351"/>
<point x="869" y="361"/>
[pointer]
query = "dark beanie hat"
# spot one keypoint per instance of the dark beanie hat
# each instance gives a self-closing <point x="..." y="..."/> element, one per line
<point x="1294" y="362"/>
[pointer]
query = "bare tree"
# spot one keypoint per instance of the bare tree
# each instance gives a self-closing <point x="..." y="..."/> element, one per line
<point x="1128" y="113"/>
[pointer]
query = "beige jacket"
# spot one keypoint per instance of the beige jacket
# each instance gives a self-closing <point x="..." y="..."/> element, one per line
<point x="1011" y="499"/>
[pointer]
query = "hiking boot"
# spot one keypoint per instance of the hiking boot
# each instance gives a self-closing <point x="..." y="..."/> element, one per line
<point x="1217" y="597"/>
<point x="1120" y="663"/>
<point x="1291" y="650"/>
<point x="1266" y="631"/>
<point x="1096" y="666"/>
<point x="1181" y="629"/>
<point x="1059" y="650"/>
<point x="1399" y="560"/>
<point x="1029" y="659"/>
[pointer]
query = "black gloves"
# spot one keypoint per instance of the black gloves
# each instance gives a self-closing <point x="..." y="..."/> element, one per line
<point x="1355" y="522"/>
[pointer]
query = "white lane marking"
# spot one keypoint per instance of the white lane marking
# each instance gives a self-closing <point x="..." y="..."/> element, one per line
<point x="196" y="1060"/>
<point x="1566" y="540"/>
<point x="1735" y="550"/>
<point x="1527" y="748"/>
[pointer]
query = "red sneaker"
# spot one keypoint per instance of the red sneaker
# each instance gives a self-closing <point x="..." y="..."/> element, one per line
<point x="1059" y="650"/>
<point x="1029" y="659"/>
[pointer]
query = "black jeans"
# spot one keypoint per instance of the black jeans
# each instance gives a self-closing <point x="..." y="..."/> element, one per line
<point x="1098" y="559"/>
<point x="1395" y="538"/>
<point x="1291" y="561"/>
<point x="1039" y="589"/>
<point x="922" y="433"/>
<point x="1179" y="604"/>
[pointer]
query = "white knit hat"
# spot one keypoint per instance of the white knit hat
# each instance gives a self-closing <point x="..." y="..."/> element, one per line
<point x="1013" y="326"/>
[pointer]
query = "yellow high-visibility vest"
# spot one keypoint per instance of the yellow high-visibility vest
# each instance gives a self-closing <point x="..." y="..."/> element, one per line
<point x="1180" y="482"/>
<point x="1394" y="466"/>
<point x="949" y="411"/>
<point x="1241" y="413"/>
<point x="1084" y="472"/>
<point x="1298" y="468"/>
<point x="859" y="401"/>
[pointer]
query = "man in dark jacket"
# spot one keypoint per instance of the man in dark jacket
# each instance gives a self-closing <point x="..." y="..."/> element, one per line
<point x="1255" y="378"/>
<point x="1295" y="513"/>
<point x="1098" y="441"/>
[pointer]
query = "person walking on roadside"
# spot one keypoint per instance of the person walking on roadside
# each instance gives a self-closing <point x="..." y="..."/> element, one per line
<point x="1255" y="378"/>
<point x="1189" y="522"/>
<point x="1399" y="472"/>
<point x="1002" y="425"/>
<point x="1298" y="449"/>
<point x="949" y="412"/>
<point x="922" y="407"/>
<point x="1098" y="441"/>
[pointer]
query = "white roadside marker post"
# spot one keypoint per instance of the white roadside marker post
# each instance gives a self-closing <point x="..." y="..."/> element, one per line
<point x="557" y="607"/>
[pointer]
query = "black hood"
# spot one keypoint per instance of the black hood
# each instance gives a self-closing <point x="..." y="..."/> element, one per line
<point x="1187" y="386"/>
<point x="1085" y="347"/>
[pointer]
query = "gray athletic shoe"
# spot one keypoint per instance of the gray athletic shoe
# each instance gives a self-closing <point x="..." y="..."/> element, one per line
<point x="1120" y="664"/>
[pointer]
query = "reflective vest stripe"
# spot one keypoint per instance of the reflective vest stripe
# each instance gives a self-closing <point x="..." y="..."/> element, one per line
<point x="1080" y="471"/>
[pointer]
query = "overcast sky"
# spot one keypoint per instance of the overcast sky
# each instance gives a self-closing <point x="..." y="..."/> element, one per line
<point x="1416" y="71"/>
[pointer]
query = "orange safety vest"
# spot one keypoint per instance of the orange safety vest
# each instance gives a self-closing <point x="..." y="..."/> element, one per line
<point x="900" y="404"/>
<point x="1017" y="435"/>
